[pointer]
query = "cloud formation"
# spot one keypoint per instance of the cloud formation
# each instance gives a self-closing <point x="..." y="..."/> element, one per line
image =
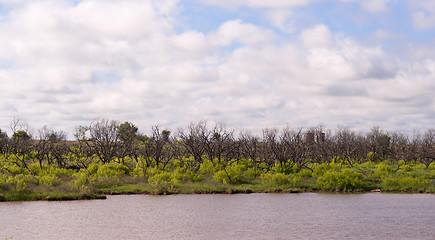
<point x="423" y="15"/>
<point x="66" y="63"/>
<point x="374" y="6"/>
<point x="259" y="3"/>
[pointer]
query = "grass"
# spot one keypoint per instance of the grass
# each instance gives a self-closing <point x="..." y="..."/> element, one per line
<point x="98" y="181"/>
<point x="49" y="196"/>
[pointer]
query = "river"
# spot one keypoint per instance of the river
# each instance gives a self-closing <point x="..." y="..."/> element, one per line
<point x="240" y="216"/>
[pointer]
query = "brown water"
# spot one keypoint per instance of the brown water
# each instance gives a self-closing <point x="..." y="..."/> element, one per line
<point x="251" y="216"/>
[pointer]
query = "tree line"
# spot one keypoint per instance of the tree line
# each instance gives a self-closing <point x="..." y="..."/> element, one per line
<point x="112" y="141"/>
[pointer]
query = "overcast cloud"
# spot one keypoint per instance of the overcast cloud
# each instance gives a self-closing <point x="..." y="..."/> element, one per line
<point x="251" y="64"/>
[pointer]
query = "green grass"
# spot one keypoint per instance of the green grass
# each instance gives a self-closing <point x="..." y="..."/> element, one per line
<point x="49" y="196"/>
<point x="99" y="180"/>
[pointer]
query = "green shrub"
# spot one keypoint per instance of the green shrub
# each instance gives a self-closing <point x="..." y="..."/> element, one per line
<point x="232" y="174"/>
<point x="341" y="181"/>
<point x="82" y="178"/>
<point x="222" y="177"/>
<point x="111" y="170"/>
<point x="253" y="173"/>
<point x="140" y="170"/>
<point x="93" y="168"/>
<point x="164" y="182"/>
<point x="14" y="169"/>
<point x="19" y="182"/>
<point x="207" y="167"/>
<point x="321" y="169"/>
<point x="382" y="170"/>
<point x="284" y="168"/>
<point x="194" y="177"/>
<point x="159" y="178"/>
<point x="279" y="178"/>
<point x="305" y="173"/>
<point x="404" y="183"/>
<point x="368" y="164"/>
<point x="406" y="168"/>
<point x="49" y="180"/>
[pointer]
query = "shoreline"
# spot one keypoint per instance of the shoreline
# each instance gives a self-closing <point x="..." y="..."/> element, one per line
<point x="98" y="180"/>
<point x="102" y="195"/>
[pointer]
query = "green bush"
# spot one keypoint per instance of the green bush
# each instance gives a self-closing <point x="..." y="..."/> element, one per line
<point x="164" y="182"/>
<point x="14" y="169"/>
<point x="82" y="178"/>
<point x="49" y="180"/>
<point x="345" y="180"/>
<point x="381" y="170"/>
<point x="18" y="182"/>
<point x="93" y="168"/>
<point x="207" y="167"/>
<point x="305" y="173"/>
<point x="404" y="183"/>
<point x="284" y="168"/>
<point x="406" y="168"/>
<point x="222" y="177"/>
<point x="112" y="170"/>
<point x="140" y="170"/>
<point x="232" y="174"/>
<point x="321" y="169"/>
<point x="253" y="173"/>
<point x="276" y="178"/>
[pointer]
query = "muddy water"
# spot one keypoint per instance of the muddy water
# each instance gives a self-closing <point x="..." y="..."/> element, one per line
<point x="244" y="216"/>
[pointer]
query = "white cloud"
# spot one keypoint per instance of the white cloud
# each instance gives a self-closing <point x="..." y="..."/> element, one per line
<point x="374" y="6"/>
<point x="382" y="35"/>
<point x="64" y="65"/>
<point x="11" y="2"/>
<point x="278" y="13"/>
<point x="423" y="14"/>
<point x="423" y="20"/>
<point x="281" y="18"/>
<point x="52" y="44"/>
<point x="318" y="36"/>
<point x="258" y="3"/>
<point x="236" y="31"/>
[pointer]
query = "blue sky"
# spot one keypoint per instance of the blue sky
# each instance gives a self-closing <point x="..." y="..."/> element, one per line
<point x="341" y="17"/>
<point x="250" y="63"/>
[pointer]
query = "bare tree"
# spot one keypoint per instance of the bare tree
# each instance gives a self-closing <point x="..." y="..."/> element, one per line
<point x="219" y="143"/>
<point x="50" y="146"/>
<point x="42" y="147"/>
<point x="104" y="139"/>
<point x="15" y="124"/>
<point x="298" y="149"/>
<point x="349" y="145"/>
<point x="192" y="140"/>
<point x="284" y="147"/>
<point x="427" y="152"/>
<point x="159" y="141"/>
<point x="397" y="144"/>
<point x="249" y="146"/>
<point x="21" y="148"/>
<point x="3" y="142"/>
<point x="321" y="149"/>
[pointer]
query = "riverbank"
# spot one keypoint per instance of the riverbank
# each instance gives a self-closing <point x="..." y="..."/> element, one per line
<point x="138" y="189"/>
<point x="98" y="180"/>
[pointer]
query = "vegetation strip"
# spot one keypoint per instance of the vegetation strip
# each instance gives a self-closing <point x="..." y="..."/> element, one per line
<point x="111" y="158"/>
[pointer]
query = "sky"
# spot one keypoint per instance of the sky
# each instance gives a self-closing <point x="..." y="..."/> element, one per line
<point x="251" y="64"/>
